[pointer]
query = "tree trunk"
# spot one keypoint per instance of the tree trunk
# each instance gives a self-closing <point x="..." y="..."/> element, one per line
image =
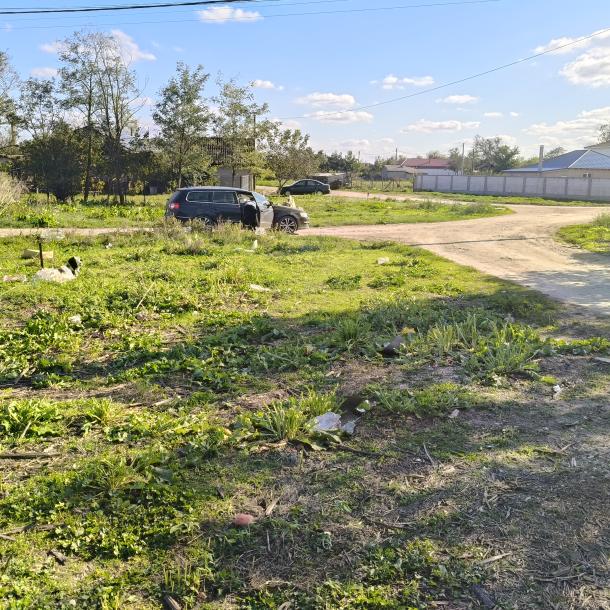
<point x="89" y="161"/>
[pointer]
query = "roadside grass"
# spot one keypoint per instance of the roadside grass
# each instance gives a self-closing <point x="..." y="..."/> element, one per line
<point x="324" y="211"/>
<point x="594" y="237"/>
<point x="131" y="437"/>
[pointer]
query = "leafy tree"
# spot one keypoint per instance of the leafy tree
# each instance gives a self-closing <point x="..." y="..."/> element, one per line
<point x="118" y="102"/>
<point x="39" y="107"/>
<point x="53" y="160"/>
<point x="456" y="160"/>
<point x="492" y="155"/>
<point x="289" y="155"/>
<point x="555" y="152"/>
<point x="78" y="83"/>
<point x="604" y="133"/>
<point x="184" y="118"/>
<point x="239" y="123"/>
<point x="8" y="111"/>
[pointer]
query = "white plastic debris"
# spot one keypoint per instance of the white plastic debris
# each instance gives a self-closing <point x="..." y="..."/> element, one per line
<point x="557" y="390"/>
<point x="328" y="422"/>
<point x="75" y="320"/>
<point x="454" y="414"/>
<point x="255" y="244"/>
<point x="257" y="288"/>
<point x="349" y="427"/>
<point x="383" y="261"/>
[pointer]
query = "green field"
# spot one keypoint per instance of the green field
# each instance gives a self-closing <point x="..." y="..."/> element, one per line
<point x="594" y="237"/>
<point x="323" y="210"/>
<point x="184" y="394"/>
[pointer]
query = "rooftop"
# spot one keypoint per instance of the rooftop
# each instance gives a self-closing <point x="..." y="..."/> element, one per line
<point x="426" y="163"/>
<point x="576" y="159"/>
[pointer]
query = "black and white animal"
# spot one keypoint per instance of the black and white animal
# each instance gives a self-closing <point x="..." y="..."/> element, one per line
<point x="65" y="273"/>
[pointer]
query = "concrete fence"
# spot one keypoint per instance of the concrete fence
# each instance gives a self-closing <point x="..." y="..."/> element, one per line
<point x="584" y="189"/>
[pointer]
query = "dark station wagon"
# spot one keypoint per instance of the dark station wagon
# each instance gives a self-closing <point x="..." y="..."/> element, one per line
<point x="213" y="204"/>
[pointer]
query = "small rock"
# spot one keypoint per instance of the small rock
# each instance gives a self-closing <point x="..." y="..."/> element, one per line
<point x="142" y="315"/>
<point x="557" y="390"/>
<point x="393" y="347"/>
<point x="454" y="414"/>
<point x="383" y="261"/>
<point x="75" y="320"/>
<point x="243" y="520"/>
<point x="15" y="278"/>
<point x="257" y="288"/>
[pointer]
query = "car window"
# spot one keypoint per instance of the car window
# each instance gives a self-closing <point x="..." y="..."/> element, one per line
<point x="244" y="197"/>
<point x="311" y="183"/>
<point x="224" y="197"/>
<point x="200" y="196"/>
<point x="261" y="199"/>
<point x="300" y="183"/>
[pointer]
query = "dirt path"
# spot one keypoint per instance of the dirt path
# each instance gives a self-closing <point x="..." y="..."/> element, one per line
<point x="519" y="247"/>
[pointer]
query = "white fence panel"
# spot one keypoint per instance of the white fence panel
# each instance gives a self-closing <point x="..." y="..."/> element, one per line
<point x="578" y="188"/>
<point x="514" y="186"/>
<point x="600" y="188"/>
<point x="591" y="189"/>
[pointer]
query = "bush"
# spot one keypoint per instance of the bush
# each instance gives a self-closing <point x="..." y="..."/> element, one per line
<point x="11" y="191"/>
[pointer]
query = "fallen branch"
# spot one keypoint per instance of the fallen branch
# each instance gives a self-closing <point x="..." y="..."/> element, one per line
<point x="429" y="456"/>
<point x="495" y="558"/>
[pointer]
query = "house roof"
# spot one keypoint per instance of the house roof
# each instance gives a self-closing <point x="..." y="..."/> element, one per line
<point x="400" y="168"/>
<point x="426" y="163"/>
<point x="576" y="159"/>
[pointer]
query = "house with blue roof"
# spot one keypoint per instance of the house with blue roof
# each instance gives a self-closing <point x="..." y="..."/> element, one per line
<point x="590" y="162"/>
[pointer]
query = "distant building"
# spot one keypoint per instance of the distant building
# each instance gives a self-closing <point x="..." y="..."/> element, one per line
<point x="590" y="162"/>
<point x="429" y="167"/>
<point x="398" y="172"/>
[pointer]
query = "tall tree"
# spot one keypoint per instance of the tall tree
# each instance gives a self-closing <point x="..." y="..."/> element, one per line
<point x="604" y="133"/>
<point x="118" y="102"/>
<point x="78" y="83"/>
<point x="39" y="106"/>
<point x="240" y="123"/>
<point x="183" y="117"/>
<point x="289" y="155"/>
<point x="8" y="113"/>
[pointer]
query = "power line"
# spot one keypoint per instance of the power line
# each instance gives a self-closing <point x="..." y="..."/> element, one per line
<point x="450" y="84"/>
<point x="117" y="7"/>
<point x="274" y="15"/>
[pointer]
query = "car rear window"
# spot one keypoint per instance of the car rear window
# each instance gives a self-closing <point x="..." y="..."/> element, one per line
<point x="224" y="197"/>
<point x="200" y="196"/>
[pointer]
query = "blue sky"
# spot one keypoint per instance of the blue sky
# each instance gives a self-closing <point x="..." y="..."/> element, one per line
<point x="308" y="65"/>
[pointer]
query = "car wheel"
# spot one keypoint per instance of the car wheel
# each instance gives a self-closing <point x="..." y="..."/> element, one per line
<point x="288" y="224"/>
<point x="207" y="222"/>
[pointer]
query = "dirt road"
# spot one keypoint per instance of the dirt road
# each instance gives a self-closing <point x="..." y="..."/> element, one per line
<point x="519" y="247"/>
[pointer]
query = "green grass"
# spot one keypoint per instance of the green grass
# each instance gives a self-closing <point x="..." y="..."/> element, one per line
<point x="329" y="211"/>
<point x="183" y="397"/>
<point x="324" y="211"/>
<point x="508" y="200"/>
<point x="594" y="237"/>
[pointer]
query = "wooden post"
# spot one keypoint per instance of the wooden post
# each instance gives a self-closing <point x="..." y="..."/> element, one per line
<point x="40" y="253"/>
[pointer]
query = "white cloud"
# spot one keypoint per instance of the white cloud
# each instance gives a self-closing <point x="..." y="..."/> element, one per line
<point x="266" y="84"/>
<point x="338" y="100"/>
<point x="493" y="115"/>
<point x="459" y="99"/>
<point x="554" y="45"/>
<point x="515" y="114"/>
<point x="43" y="72"/>
<point x="223" y="14"/>
<point x="425" y="126"/>
<point x="355" y="144"/>
<point x="347" y="116"/>
<point x="287" y="123"/>
<point x="395" y="82"/>
<point x="178" y="49"/>
<point x="591" y="68"/>
<point x="51" y="47"/>
<point x="130" y="50"/>
<point x="573" y="133"/>
<point x="507" y="139"/>
<point x="7" y="27"/>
